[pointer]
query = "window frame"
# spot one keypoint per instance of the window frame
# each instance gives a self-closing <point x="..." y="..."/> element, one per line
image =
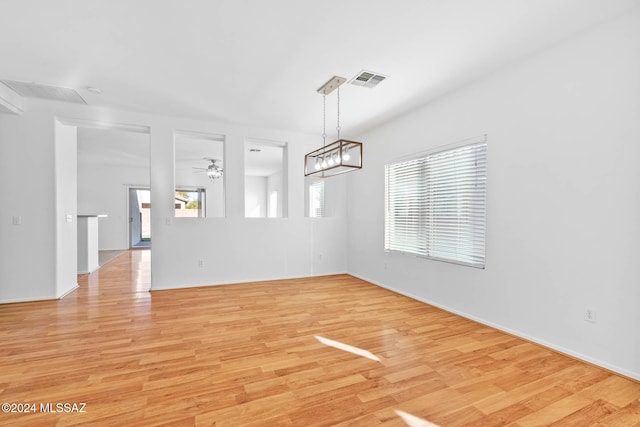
<point x="201" y="199"/>
<point x="311" y="192"/>
<point x="424" y="231"/>
<point x="272" y="204"/>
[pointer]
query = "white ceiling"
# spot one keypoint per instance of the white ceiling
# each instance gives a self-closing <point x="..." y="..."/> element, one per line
<point x="260" y="62"/>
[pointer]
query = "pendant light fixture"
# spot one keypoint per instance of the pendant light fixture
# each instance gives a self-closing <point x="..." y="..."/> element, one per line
<point x="341" y="155"/>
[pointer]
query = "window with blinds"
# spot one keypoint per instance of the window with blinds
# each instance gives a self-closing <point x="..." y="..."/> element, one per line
<point x="435" y="205"/>
<point x="316" y="199"/>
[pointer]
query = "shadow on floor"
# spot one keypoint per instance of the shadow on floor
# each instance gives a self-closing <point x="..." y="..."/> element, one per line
<point x="106" y="256"/>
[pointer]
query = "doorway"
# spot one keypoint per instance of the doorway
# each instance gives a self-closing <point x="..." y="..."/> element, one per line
<point x="111" y="162"/>
<point x="139" y="218"/>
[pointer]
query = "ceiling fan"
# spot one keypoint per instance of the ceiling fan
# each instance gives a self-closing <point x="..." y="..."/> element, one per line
<point x="214" y="171"/>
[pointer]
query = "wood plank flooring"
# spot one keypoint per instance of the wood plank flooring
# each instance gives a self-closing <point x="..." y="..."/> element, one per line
<point x="322" y="351"/>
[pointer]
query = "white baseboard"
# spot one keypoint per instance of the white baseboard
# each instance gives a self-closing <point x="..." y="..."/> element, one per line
<point x="69" y="291"/>
<point x="34" y="299"/>
<point x="560" y="349"/>
<point x="31" y="299"/>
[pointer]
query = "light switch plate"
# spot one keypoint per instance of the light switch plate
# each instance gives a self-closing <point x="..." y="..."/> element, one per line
<point x="69" y="218"/>
<point x="17" y="220"/>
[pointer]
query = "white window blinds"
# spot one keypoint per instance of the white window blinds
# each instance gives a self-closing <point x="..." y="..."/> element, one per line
<point x="316" y="199"/>
<point x="435" y="205"/>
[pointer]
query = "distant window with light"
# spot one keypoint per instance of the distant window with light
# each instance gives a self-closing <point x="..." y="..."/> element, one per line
<point x="190" y="203"/>
<point x="273" y="205"/>
<point x="435" y="205"/>
<point x="316" y="199"/>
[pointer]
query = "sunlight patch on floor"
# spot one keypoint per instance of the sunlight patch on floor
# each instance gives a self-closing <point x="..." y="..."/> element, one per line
<point x="349" y="348"/>
<point x="413" y="421"/>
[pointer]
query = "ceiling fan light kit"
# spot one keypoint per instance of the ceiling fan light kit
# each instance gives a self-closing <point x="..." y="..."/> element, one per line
<point x="214" y="171"/>
<point x="340" y="156"/>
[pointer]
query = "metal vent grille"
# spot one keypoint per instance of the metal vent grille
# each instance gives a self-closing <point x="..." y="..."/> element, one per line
<point x="367" y="79"/>
<point x="54" y="93"/>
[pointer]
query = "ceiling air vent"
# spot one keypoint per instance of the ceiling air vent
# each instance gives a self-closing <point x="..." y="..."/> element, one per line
<point x="54" y="93"/>
<point x="367" y="79"/>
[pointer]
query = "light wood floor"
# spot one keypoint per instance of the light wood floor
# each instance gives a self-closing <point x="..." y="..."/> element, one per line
<point x="297" y="352"/>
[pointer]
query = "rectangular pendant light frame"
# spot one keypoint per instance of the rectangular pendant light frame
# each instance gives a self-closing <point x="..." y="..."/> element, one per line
<point x="341" y="156"/>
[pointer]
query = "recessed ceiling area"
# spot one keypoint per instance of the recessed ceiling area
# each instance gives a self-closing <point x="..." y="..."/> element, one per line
<point x="262" y="159"/>
<point x="112" y="147"/>
<point x="259" y="63"/>
<point x="192" y="151"/>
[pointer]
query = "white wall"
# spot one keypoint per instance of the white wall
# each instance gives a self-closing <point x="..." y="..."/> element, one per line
<point x="27" y="261"/>
<point x="563" y="198"/>
<point x="233" y="249"/>
<point x="257" y="192"/>
<point x="66" y="151"/>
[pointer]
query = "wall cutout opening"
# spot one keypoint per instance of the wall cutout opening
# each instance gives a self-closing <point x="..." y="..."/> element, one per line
<point x="114" y="180"/>
<point x="265" y="192"/>
<point x="199" y="175"/>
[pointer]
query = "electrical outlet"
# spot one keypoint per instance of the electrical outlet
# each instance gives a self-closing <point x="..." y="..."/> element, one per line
<point x="589" y="315"/>
<point x="200" y="263"/>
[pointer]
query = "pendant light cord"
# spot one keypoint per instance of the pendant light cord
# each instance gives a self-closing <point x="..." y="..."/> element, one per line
<point x="338" y="125"/>
<point x="324" y="120"/>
